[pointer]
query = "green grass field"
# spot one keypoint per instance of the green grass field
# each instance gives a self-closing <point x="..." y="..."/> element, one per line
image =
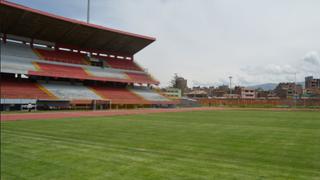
<point x="193" y="145"/>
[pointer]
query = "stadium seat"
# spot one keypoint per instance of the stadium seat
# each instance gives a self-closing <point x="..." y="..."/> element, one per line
<point x="142" y="78"/>
<point x="16" y="65"/>
<point x="61" y="56"/>
<point x="17" y="50"/>
<point x="106" y="72"/>
<point x="20" y="59"/>
<point x="123" y="64"/>
<point x="119" y="95"/>
<point x="53" y="70"/>
<point x="63" y="71"/>
<point x="149" y="95"/>
<point x="22" y="89"/>
<point x="69" y="91"/>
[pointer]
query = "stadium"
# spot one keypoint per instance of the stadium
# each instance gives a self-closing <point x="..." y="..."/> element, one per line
<point x="96" y="113"/>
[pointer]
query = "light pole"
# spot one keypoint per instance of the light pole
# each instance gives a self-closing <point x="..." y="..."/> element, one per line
<point x="88" y="11"/>
<point x="230" y="79"/>
<point x="295" y="89"/>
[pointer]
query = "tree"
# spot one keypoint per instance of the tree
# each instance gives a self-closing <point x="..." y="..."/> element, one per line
<point x="173" y="82"/>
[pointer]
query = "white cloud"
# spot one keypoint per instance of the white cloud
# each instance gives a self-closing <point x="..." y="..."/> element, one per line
<point x="308" y="65"/>
<point x="313" y="58"/>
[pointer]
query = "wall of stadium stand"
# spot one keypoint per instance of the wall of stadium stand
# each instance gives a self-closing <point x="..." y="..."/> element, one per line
<point x="261" y="102"/>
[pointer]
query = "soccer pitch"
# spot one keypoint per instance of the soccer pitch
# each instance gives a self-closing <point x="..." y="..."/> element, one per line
<point x="188" y="145"/>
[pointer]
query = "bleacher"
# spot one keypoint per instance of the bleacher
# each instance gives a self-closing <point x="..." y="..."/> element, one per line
<point x="54" y="70"/>
<point x="119" y="95"/>
<point x="20" y="58"/>
<point x="25" y="51"/>
<point x="149" y="95"/>
<point x="123" y="64"/>
<point x="105" y="73"/>
<point x="141" y="78"/>
<point x="22" y="89"/>
<point x="17" y="50"/>
<point x="16" y="65"/>
<point x="68" y="91"/>
<point x="61" y="56"/>
<point x="76" y="72"/>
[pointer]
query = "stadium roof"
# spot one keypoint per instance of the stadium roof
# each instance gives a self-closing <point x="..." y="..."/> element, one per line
<point x="24" y="21"/>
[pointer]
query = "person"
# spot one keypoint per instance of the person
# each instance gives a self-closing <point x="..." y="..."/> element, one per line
<point x="29" y="106"/>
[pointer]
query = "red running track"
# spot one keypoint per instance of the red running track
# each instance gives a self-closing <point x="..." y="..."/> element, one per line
<point x="74" y="114"/>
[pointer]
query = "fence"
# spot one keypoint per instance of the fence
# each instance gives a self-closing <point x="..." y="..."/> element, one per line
<point x="261" y="102"/>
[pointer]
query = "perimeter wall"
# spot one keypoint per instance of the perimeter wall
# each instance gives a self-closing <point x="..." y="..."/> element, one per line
<point x="261" y="102"/>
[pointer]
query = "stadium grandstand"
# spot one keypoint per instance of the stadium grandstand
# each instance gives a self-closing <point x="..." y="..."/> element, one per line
<point x="55" y="62"/>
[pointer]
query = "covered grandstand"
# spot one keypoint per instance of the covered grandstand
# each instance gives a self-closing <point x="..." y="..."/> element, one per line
<point x="57" y="62"/>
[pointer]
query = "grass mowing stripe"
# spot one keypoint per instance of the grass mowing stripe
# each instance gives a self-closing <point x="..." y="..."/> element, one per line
<point x="146" y="151"/>
<point x="171" y="165"/>
<point x="37" y="136"/>
<point x="188" y="146"/>
<point x="84" y="156"/>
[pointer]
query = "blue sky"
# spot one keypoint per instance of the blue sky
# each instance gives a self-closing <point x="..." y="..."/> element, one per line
<point x="205" y="41"/>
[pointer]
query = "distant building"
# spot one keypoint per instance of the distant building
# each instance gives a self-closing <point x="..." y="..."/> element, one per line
<point x="180" y="83"/>
<point x="288" y="90"/>
<point x="311" y="83"/>
<point x="231" y="96"/>
<point x="312" y="87"/>
<point x="262" y="94"/>
<point x="197" y="94"/>
<point x="245" y="93"/>
<point x="311" y="92"/>
<point x="220" y="91"/>
<point x="172" y="92"/>
<point x="210" y="91"/>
